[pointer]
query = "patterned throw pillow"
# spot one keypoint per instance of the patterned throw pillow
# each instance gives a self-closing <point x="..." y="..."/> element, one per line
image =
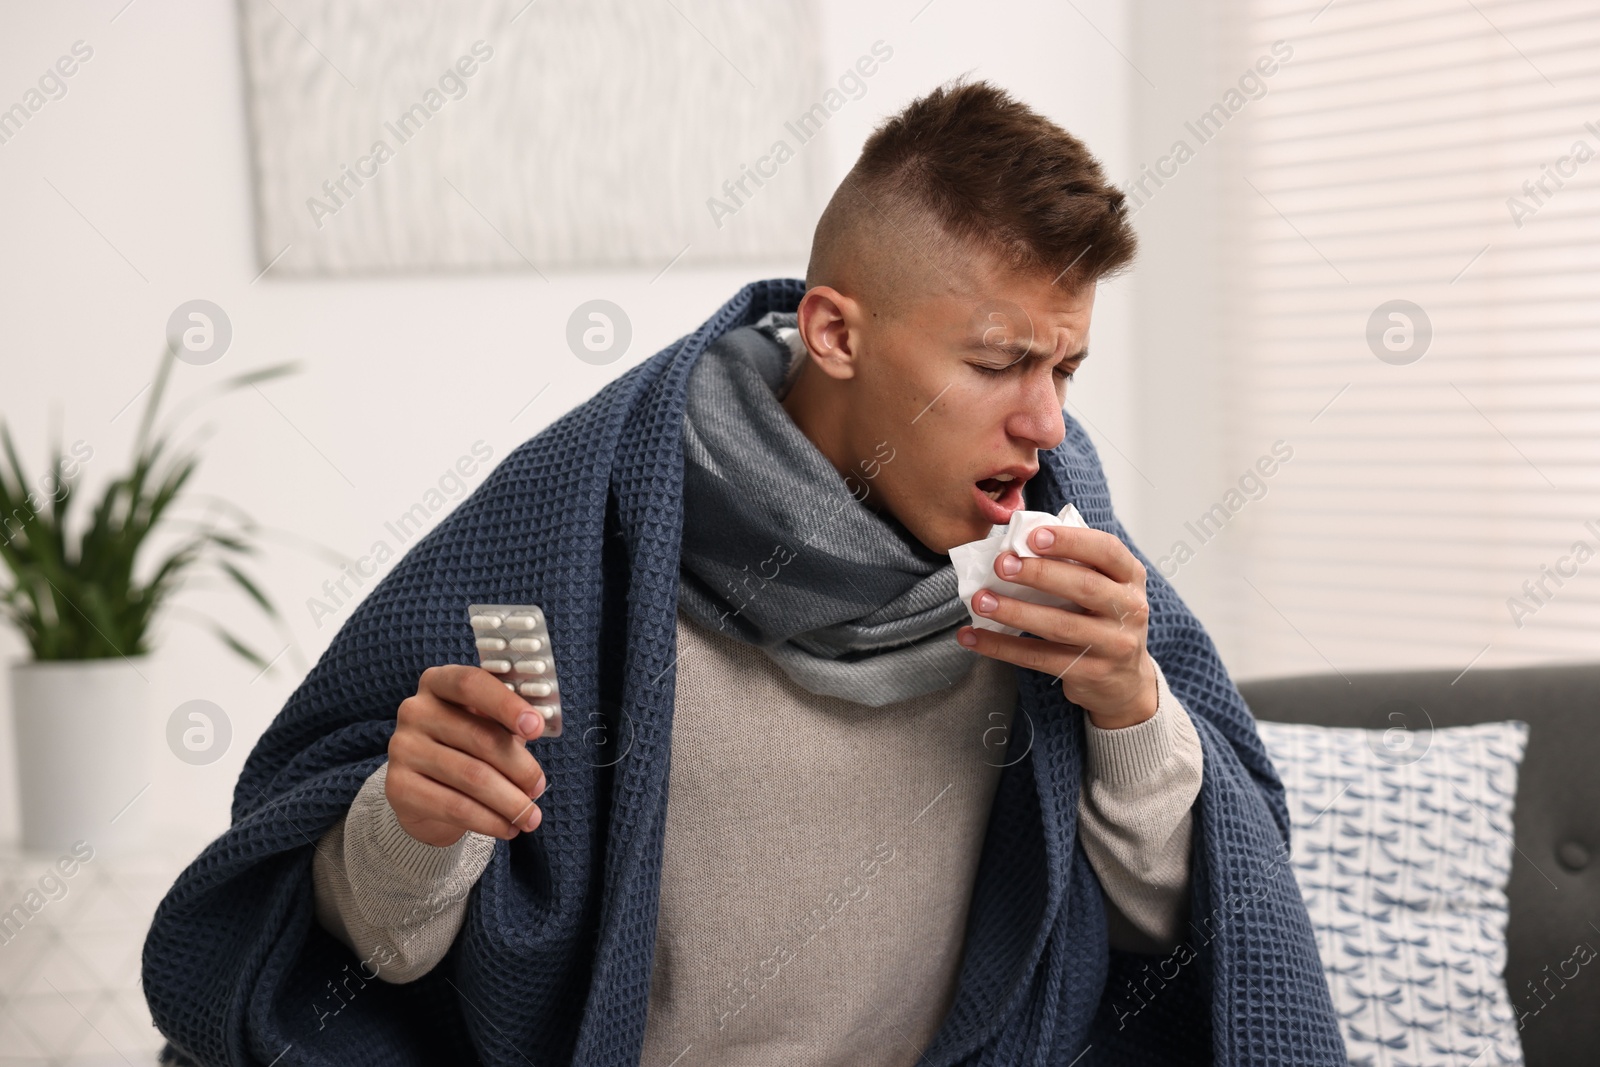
<point x="1402" y="846"/>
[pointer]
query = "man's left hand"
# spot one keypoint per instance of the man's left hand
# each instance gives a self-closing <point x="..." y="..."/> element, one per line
<point x="1100" y="656"/>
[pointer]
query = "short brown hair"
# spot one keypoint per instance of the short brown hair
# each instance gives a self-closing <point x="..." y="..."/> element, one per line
<point x="968" y="166"/>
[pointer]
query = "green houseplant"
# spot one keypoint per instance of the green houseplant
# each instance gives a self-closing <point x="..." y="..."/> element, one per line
<point x="85" y="597"/>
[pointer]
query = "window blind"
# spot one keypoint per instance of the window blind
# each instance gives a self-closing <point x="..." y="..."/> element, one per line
<point x="1412" y="291"/>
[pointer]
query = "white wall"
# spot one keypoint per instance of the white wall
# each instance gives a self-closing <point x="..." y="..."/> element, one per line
<point x="1182" y="442"/>
<point x="131" y="195"/>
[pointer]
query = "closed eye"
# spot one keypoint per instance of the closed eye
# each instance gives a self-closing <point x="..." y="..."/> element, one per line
<point x="1064" y="375"/>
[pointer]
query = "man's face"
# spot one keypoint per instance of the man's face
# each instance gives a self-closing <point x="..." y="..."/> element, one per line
<point x="922" y="410"/>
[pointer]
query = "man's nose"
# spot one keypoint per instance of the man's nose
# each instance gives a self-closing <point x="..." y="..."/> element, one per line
<point x="1037" y="418"/>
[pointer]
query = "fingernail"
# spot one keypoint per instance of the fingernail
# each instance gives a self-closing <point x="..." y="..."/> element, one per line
<point x="1009" y="564"/>
<point x="985" y="602"/>
<point x="967" y="637"/>
<point x="1043" y="537"/>
<point x="544" y="783"/>
<point x="534" y="818"/>
<point x="528" y="724"/>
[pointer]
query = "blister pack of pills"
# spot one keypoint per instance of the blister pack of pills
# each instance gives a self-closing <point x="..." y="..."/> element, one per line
<point x="514" y="644"/>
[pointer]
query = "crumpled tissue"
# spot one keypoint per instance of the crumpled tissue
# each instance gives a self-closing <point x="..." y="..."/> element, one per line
<point x="974" y="563"/>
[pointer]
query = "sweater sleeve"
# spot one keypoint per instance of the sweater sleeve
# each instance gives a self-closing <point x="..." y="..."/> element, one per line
<point x="1136" y="814"/>
<point x="396" y="902"/>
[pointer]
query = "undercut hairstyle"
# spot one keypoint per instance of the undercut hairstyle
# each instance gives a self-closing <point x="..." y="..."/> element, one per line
<point x="968" y="167"/>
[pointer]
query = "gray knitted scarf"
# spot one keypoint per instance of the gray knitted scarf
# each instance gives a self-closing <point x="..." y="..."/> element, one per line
<point x="779" y="552"/>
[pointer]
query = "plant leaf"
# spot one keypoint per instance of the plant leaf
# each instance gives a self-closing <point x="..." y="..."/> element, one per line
<point x="248" y="586"/>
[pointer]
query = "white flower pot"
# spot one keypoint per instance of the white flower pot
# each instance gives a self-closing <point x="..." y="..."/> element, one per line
<point x="82" y="748"/>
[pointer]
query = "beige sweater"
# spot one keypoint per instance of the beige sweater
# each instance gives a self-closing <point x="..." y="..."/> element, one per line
<point x="818" y="859"/>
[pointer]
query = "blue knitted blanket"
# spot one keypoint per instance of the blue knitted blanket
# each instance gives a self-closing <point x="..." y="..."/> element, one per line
<point x="553" y="963"/>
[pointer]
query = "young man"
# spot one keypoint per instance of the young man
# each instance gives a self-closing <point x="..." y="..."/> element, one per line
<point x="830" y="821"/>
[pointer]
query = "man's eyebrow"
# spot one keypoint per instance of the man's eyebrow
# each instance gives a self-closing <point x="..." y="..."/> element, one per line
<point x="1017" y="350"/>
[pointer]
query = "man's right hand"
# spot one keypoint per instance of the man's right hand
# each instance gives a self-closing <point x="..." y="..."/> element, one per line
<point x="458" y="759"/>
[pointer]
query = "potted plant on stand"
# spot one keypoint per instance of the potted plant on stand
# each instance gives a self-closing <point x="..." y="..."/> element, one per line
<point x="83" y="598"/>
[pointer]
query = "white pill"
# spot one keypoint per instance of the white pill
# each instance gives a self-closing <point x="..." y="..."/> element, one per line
<point x="526" y="644"/>
<point x="530" y="666"/>
<point x="491" y="644"/>
<point x="549" y="710"/>
<point x="509" y="686"/>
<point x="485" y="622"/>
<point x="534" y="689"/>
<point x="497" y="666"/>
<point x="521" y="622"/>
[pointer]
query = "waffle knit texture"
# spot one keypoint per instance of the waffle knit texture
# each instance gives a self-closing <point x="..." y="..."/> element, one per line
<point x="817" y="863"/>
<point x="554" y="959"/>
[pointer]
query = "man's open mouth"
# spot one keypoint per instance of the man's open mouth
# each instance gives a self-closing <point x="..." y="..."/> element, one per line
<point x="993" y="488"/>
<point x="1000" y="494"/>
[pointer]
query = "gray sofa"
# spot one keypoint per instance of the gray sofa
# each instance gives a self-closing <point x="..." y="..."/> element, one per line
<point x="1555" y="877"/>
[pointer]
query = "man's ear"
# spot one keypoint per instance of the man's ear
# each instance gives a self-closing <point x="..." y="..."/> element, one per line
<point x="829" y="323"/>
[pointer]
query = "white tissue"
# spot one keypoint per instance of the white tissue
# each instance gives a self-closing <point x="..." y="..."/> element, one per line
<point x="974" y="563"/>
